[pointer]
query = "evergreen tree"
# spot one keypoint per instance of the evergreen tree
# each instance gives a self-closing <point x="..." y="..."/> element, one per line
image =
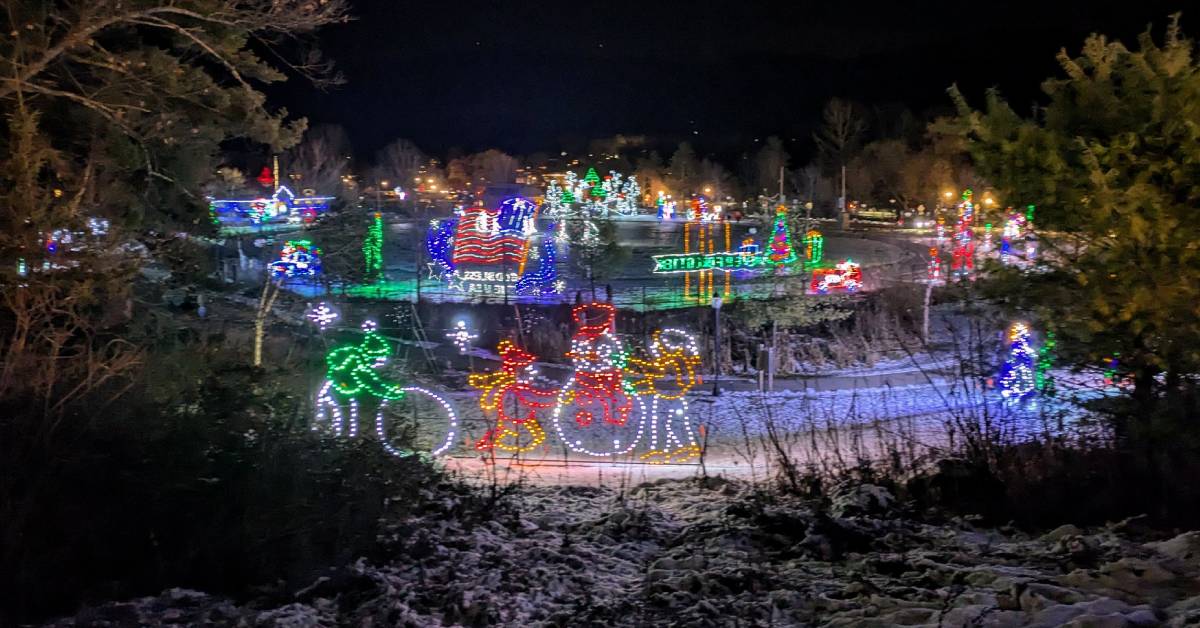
<point x="1111" y="163"/>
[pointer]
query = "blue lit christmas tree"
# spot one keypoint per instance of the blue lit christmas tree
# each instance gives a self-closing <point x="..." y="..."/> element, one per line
<point x="1018" y="375"/>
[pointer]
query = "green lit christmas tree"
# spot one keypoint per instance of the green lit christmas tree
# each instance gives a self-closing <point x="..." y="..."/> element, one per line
<point x="596" y="189"/>
<point x="373" y="248"/>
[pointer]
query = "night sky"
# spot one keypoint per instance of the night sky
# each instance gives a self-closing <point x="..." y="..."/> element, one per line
<point x="528" y="75"/>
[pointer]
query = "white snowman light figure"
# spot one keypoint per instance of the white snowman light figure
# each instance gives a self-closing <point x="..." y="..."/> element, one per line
<point x="594" y="410"/>
<point x="662" y="382"/>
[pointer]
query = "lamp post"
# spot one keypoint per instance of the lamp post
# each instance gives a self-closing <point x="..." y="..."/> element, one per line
<point x="716" y="305"/>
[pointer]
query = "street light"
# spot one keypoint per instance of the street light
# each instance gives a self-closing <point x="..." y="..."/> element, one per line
<point x="716" y="305"/>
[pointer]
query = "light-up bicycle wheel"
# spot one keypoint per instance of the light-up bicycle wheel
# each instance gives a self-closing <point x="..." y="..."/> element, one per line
<point x="420" y="423"/>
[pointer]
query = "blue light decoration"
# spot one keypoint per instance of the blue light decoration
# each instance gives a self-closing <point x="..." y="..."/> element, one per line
<point x="545" y="279"/>
<point x="283" y="205"/>
<point x="299" y="258"/>
<point x="1018" y="375"/>
<point x="497" y="243"/>
<point x="439" y="243"/>
<point x="517" y="216"/>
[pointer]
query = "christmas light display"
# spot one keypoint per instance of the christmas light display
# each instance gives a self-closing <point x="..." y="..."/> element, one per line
<point x="1043" y="379"/>
<point x="352" y="377"/>
<point x="962" y="260"/>
<point x="592" y="196"/>
<point x="591" y="181"/>
<point x="692" y="262"/>
<point x="283" y="204"/>
<point x="1017" y="376"/>
<point x="844" y="277"/>
<point x="372" y="248"/>
<point x="553" y="204"/>
<point x="515" y="401"/>
<point x="298" y="258"/>
<point x="439" y="244"/>
<point x="461" y="336"/>
<point x="934" y="272"/>
<point x="545" y="279"/>
<point x="322" y="315"/>
<point x="479" y="239"/>
<point x="661" y="384"/>
<point x="353" y="369"/>
<point x="595" y="404"/>
<point x="598" y="411"/>
<point x="814" y="247"/>
<point x="629" y="197"/>
<point x="781" y="251"/>
<point x="570" y="185"/>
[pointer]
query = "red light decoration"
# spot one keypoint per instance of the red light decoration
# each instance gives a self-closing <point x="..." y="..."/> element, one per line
<point x="265" y="178"/>
<point x="599" y="367"/>
<point x="478" y="239"/>
<point x="504" y="390"/>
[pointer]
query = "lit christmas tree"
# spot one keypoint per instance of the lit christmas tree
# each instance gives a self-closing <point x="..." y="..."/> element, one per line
<point x="570" y="188"/>
<point x="373" y="248"/>
<point x="782" y="251"/>
<point x="631" y="195"/>
<point x="592" y="180"/>
<point x="554" y="199"/>
<point x="1018" y="378"/>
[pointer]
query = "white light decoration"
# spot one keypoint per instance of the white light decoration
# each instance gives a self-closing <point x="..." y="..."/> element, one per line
<point x="461" y="336"/>
<point x="597" y="392"/>
<point x="441" y="448"/>
<point x="352" y="372"/>
<point x="665" y="379"/>
<point x="322" y="315"/>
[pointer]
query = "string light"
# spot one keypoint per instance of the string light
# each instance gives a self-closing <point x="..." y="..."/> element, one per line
<point x="666" y="377"/>
<point x="545" y="279"/>
<point x="814" y="247"/>
<point x="935" y="265"/>
<point x="298" y="258"/>
<point x="322" y="316"/>
<point x="461" y="336"/>
<point x="439" y="243"/>
<point x="283" y="203"/>
<point x="844" y="277"/>
<point x="1043" y="379"/>
<point x="962" y="260"/>
<point x="781" y="251"/>
<point x="373" y="248"/>
<point x="351" y="375"/>
<point x="478" y="239"/>
<point x="1017" y="377"/>
<point x="510" y="387"/>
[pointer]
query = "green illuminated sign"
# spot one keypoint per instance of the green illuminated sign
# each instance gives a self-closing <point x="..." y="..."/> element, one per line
<point x="689" y="262"/>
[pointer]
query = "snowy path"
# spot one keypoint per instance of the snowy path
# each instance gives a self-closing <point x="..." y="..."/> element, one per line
<point x="744" y="434"/>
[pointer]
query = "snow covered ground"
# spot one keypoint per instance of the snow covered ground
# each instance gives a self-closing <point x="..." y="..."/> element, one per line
<point x="716" y="553"/>
<point x="745" y="434"/>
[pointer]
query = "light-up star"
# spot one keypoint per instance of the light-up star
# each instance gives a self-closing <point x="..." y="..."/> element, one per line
<point x="322" y="316"/>
<point x="461" y="336"/>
